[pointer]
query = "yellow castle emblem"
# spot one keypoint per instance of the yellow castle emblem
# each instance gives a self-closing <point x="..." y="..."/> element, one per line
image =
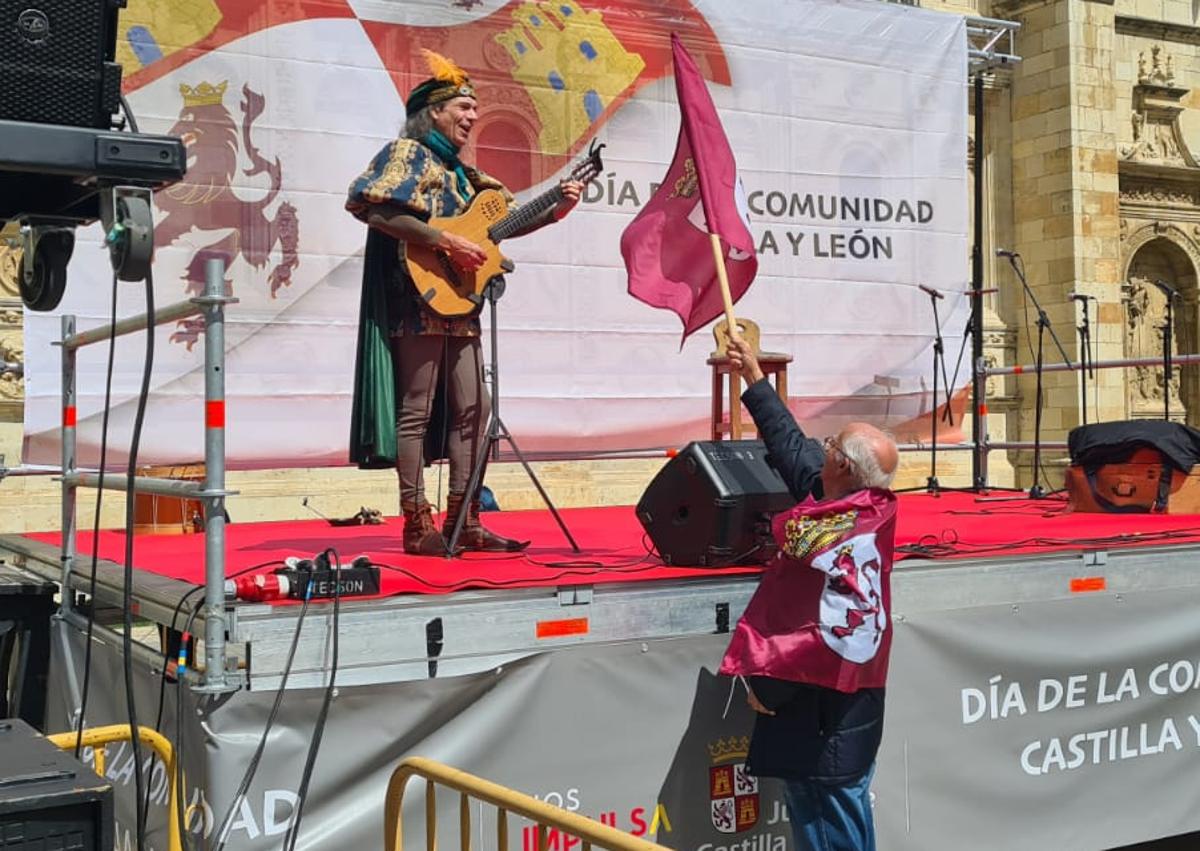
<point x="571" y="64"/>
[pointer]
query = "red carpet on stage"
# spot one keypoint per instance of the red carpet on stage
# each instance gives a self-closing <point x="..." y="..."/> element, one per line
<point x="614" y="548"/>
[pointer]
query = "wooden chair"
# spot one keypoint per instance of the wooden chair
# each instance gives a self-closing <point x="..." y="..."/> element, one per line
<point x="772" y="363"/>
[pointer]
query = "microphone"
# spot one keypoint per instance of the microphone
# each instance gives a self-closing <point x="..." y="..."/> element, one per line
<point x="1004" y="252"/>
<point x="982" y="292"/>
<point x="1168" y="290"/>
<point x="1080" y="297"/>
<point x="929" y="291"/>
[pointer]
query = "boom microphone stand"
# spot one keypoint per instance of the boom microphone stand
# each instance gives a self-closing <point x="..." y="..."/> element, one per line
<point x="1086" y="369"/>
<point x="939" y="366"/>
<point x="1043" y="324"/>
<point x="496" y="430"/>
<point x="1171" y="293"/>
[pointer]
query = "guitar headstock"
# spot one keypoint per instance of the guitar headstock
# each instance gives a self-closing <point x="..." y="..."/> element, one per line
<point x="589" y="168"/>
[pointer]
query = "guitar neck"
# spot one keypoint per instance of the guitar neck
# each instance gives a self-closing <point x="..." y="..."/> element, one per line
<point x="525" y="216"/>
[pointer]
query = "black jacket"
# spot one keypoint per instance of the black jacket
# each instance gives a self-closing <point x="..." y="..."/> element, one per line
<point x="816" y="733"/>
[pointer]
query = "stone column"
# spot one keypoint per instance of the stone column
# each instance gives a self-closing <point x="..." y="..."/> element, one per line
<point x="999" y="340"/>
<point x="1065" y="210"/>
<point x="12" y="387"/>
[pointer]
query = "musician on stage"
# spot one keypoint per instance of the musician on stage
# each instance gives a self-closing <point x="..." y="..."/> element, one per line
<point x="419" y="392"/>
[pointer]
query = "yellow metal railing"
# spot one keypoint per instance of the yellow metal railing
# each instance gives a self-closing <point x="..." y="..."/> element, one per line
<point x="98" y="738"/>
<point x="544" y="816"/>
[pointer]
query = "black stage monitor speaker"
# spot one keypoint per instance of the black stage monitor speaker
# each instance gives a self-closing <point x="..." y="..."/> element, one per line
<point x="49" y="799"/>
<point x="711" y="505"/>
<point x="56" y="62"/>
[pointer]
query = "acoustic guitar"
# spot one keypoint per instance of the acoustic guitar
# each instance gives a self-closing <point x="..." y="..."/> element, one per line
<point x="451" y="291"/>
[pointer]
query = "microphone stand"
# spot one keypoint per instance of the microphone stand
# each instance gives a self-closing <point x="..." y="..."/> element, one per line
<point x="1086" y="368"/>
<point x="1167" y="327"/>
<point x="939" y="365"/>
<point x="496" y="431"/>
<point x="1043" y="324"/>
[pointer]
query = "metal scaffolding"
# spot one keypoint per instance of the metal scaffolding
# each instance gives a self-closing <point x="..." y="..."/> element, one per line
<point x="211" y="492"/>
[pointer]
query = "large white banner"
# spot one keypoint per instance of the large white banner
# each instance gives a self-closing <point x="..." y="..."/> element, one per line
<point x="848" y="120"/>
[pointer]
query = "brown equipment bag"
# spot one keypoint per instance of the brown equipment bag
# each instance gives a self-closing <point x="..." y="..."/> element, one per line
<point x="1145" y="483"/>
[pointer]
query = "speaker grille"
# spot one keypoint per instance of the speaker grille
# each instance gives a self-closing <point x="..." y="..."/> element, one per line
<point x="52" y="61"/>
<point x="711" y="505"/>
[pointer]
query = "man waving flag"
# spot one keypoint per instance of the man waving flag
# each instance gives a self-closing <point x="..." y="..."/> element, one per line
<point x="668" y="247"/>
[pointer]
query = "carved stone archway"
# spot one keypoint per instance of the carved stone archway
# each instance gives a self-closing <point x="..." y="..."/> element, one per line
<point x="1159" y="179"/>
<point x="1159" y="253"/>
<point x="1166" y="231"/>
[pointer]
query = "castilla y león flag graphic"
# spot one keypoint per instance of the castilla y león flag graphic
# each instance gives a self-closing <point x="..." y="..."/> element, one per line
<point x="548" y="75"/>
<point x="821" y="613"/>
<point x="667" y="248"/>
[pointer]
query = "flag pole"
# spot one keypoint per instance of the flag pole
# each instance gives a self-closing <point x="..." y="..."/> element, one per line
<point x="723" y="279"/>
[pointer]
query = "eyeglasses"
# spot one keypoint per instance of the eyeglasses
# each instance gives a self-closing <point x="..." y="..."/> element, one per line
<point x="831" y="445"/>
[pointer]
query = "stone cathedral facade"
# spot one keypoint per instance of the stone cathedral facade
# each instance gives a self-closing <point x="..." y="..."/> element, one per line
<point x="1091" y="176"/>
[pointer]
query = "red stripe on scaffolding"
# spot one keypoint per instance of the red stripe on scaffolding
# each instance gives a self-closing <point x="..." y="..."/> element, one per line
<point x="214" y="414"/>
<point x="69" y="416"/>
<point x="1017" y="370"/>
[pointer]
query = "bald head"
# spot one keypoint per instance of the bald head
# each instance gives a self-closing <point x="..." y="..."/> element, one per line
<point x="868" y="460"/>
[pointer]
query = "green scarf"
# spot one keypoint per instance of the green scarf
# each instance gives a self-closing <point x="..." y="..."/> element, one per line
<point x="447" y="152"/>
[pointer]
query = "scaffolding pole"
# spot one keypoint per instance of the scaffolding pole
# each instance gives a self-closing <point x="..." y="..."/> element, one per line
<point x="213" y="493"/>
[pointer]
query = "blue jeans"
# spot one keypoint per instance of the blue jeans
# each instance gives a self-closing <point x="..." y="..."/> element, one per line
<point x="831" y="818"/>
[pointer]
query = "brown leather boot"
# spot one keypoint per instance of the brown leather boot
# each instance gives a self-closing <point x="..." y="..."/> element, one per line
<point x="421" y="536"/>
<point x="474" y="536"/>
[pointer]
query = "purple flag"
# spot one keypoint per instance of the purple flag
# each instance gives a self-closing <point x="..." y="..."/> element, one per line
<point x="667" y="248"/>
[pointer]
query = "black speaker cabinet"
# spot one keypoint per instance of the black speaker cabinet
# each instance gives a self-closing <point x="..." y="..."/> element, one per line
<point x="712" y="503"/>
<point x="56" y="61"/>
<point x="49" y="799"/>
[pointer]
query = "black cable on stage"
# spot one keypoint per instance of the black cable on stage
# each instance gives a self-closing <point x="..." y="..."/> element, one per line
<point x="293" y="831"/>
<point x="174" y="619"/>
<point x="573" y="569"/>
<point x="252" y="767"/>
<point x="180" y="817"/>
<point x="162" y="686"/>
<point x="129" y="116"/>
<point x="127" y="590"/>
<point x="91" y="615"/>
<point x="179" y="675"/>
<point x="131" y="120"/>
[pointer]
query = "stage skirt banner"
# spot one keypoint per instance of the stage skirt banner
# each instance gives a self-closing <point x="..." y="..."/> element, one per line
<point x="847" y="121"/>
<point x="1008" y="726"/>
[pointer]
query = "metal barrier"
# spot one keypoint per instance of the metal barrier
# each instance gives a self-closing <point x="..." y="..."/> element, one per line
<point x="544" y="816"/>
<point x="211" y="491"/>
<point x="981" y="446"/>
<point x="98" y="738"/>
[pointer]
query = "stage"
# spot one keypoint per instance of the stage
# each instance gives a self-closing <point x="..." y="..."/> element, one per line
<point x="949" y="526"/>
<point x="1017" y="626"/>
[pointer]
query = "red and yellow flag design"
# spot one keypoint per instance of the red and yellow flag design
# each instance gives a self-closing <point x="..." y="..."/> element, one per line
<point x="548" y="74"/>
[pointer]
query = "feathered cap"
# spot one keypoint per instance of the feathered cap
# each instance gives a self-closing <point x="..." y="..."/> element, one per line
<point x="448" y="81"/>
